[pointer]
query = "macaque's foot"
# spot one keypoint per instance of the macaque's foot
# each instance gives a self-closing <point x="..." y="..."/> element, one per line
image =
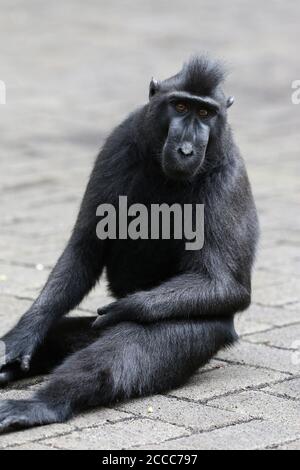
<point x="20" y="414"/>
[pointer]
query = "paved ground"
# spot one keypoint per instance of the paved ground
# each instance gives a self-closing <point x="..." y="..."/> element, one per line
<point x="73" y="69"/>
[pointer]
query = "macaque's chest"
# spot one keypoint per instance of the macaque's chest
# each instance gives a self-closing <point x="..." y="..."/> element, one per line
<point x="154" y="227"/>
<point x="141" y="264"/>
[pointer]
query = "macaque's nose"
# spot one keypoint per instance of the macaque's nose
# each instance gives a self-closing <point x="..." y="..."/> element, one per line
<point x="186" y="149"/>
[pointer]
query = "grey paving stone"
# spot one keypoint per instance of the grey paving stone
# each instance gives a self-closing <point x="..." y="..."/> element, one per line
<point x="266" y="317"/>
<point x="247" y="326"/>
<point x="247" y="436"/>
<point x="30" y="435"/>
<point x="260" y="355"/>
<point x="82" y="424"/>
<point x="282" y="260"/>
<point x="99" y="417"/>
<point x="287" y="337"/>
<point x="230" y="379"/>
<point x="258" y="404"/>
<point x="211" y="365"/>
<point x="278" y="295"/>
<point x="139" y="432"/>
<point x="47" y="255"/>
<point x="192" y="415"/>
<point x="262" y="278"/>
<point x="11" y="310"/>
<point x="292" y="446"/>
<point x="294" y="308"/>
<point x="289" y="389"/>
<point x="31" y="446"/>
<point x="21" y="281"/>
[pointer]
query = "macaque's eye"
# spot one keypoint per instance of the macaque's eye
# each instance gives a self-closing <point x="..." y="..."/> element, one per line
<point x="181" y="108"/>
<point x="203" y="112"/>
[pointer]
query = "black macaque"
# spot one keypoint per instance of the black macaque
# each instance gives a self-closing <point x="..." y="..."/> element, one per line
<point x="174" y="308"/>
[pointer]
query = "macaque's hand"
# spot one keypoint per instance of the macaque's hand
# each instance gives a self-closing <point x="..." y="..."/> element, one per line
<point x="114" y="313"/>
<point x="17" y="349"/>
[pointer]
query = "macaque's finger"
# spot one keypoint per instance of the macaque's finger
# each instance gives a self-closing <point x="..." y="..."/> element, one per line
<point x="109" y="320"/>
<point x="97" y="323"/>
<point x="25" y="363"/>
<point x="103" y="310"/>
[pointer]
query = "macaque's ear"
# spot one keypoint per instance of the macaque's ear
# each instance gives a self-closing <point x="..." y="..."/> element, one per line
<point x="153" y="87"/>
<point x="230" y="101"/>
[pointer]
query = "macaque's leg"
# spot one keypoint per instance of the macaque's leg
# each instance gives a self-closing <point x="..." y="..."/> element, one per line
<point x="128" y="360"/>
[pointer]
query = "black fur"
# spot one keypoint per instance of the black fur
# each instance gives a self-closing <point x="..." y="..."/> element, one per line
<point x="174" y="308"/>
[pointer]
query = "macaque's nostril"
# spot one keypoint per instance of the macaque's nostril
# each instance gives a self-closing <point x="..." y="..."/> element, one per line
<point x="186" y="149"/>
